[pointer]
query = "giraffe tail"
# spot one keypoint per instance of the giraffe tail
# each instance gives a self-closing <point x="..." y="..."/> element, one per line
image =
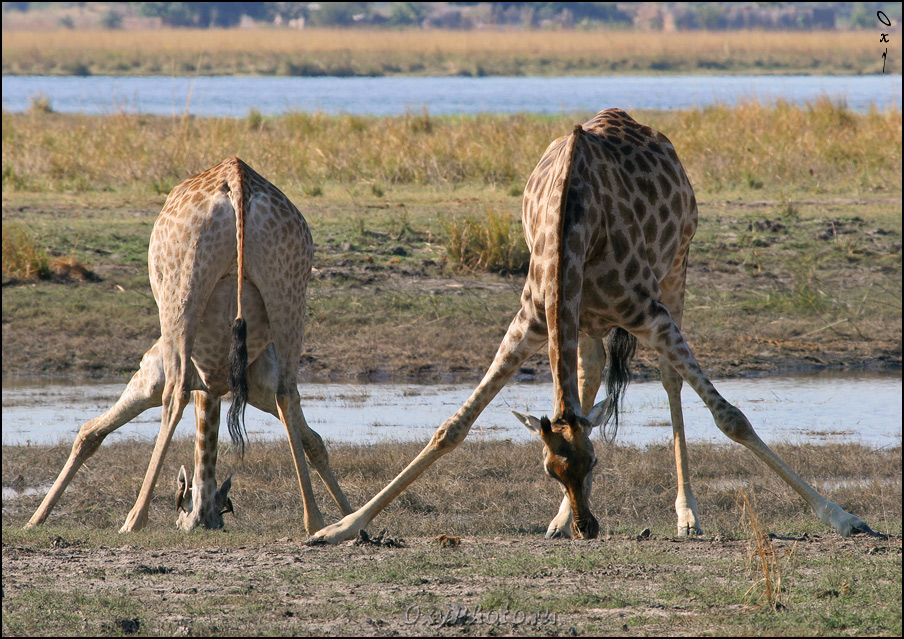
<point x="620" y="346"/>
<point x="238" y="352"/>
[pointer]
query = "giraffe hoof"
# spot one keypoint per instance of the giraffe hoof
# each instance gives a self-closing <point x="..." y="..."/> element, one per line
<point x="689" y="531"/>
<point x="558" y="534"/>
<point x="859" y="527"/>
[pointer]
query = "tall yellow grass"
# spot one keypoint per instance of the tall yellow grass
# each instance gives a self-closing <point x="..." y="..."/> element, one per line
<point x="291" y="52"/>
<point x="602" y="44"/>
<point x="781" y="149"/>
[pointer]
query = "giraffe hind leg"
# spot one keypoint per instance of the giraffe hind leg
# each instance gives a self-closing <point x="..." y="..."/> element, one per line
<point x="662" y="333"/>
<point x="685" y="502"/>
<point x="180" y="377"/>
<point x="262" y="383"/>
<point x="144" y="391"/>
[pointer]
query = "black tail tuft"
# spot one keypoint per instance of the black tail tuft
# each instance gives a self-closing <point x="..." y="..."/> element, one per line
<point x="620" y="346"/>
<point x="238" y="383"/>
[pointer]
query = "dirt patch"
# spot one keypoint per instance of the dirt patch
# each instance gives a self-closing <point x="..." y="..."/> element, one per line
<point x="489" y="586"/>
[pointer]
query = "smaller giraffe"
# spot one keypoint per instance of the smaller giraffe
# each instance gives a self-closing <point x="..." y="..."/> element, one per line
<point x="608" y="214"/>
<point x="229" y="260"/>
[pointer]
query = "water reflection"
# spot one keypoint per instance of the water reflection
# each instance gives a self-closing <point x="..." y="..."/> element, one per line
<point x="814" y="408"/>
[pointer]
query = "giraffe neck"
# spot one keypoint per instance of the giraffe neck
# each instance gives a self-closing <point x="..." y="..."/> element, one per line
<point x="563" y="332"/>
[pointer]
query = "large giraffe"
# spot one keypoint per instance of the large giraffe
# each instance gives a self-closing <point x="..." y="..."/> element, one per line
<point x="609" y="215"/>
<point x="229" y="259"/>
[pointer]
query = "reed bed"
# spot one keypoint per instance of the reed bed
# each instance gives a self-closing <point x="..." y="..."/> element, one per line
<point x="418" y="52"/>
<point x="819" y="148"/>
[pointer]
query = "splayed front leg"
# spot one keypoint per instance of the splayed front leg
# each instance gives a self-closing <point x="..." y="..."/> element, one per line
<point x="145" y="390"/>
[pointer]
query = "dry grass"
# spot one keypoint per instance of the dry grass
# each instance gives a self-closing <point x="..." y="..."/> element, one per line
<point x="483" y="488"/>
<point x="373" y="52"/>
<point x="601" y="44"/>
<point x="773" y="586"/>
<point x="780" y="150"/>
<point x="22" y="257"/>
<point x="490" y="242"/>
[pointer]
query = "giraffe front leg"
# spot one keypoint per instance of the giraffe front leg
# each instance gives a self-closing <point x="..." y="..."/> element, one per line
<point x="664" y="335"/>
<point x="201" y="504"/>
<point x="560" y="526"/>
<point x="520" y="341"/>
<point x="143" y="392"/>
<point x="591" y="362"/>
<point x="174" y="402"/>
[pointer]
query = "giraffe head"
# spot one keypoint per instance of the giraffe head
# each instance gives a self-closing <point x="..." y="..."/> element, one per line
<point x="189" y="519"/>
<point x="568" y="457"/>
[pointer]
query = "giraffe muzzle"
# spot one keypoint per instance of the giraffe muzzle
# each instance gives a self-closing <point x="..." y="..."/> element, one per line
<point x="586" y="528"/>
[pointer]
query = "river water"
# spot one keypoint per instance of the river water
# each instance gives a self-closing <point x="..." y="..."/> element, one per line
<point x="864" y="408"/>
<point x="226" y="96"/>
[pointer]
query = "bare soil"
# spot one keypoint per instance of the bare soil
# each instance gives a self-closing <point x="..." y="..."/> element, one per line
<point x="295" y="590"/>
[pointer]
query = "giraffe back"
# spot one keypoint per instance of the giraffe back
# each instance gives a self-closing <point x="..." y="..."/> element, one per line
<point x="628" y="220"/>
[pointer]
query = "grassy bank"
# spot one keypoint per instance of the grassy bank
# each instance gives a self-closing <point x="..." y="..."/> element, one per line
<point x="474" y="53"/>
<point x="762" y="150"/>
<point x="78" y="576"/>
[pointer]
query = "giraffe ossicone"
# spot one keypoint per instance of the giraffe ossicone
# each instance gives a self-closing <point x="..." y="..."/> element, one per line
<point x="608" y="215"/>
<point x="229" y="261"/>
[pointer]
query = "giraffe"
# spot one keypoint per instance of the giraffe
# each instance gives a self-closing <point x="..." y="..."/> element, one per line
<point x="229" y="261"/>
<point x="608" y="215"/>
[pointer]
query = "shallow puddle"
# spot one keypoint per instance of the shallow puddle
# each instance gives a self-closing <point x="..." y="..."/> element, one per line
<point x="813" y="408"/>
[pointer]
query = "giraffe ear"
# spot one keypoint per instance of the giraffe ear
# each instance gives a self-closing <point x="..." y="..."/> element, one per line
<point x="181" y="487"/>
<point x="597" y="414"/>
<point x="221" y="499"/>
<point x="530" y="422"/>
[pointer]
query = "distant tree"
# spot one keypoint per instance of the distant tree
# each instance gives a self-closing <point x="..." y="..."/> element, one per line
<point x="335" y="14"/>
<point x="67" y="22"/>
<point x="709" y="16"/>
<point x="862" y="15"/>
<point x="202" y="14"/>
<point x="406" y="13"/>
<point x="110" y="19"/>
<point x="586" y="12"/>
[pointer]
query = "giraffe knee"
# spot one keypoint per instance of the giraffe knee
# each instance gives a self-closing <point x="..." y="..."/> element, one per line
<point x="315" y="450"/>
<point x="734" y="424"/>
<point x="86" y="444"/>
<point x="446" y="439"/>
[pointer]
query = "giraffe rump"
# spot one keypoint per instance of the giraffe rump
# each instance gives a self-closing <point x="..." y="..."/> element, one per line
<point x="620" y="346"/>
